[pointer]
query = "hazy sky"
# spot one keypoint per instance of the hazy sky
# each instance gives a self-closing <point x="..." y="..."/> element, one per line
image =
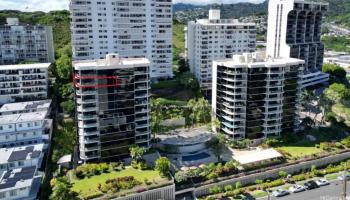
<point x="47" y="5"/>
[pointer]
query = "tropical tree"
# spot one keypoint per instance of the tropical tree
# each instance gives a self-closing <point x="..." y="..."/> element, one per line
<point x="337" y="92"/>
<point x="163" y="166"/>
<point x="157" y="117"/>
<point x="63" y="67"/>
<point x="188" y="80"/>
<point x="199" y="111"/>
<point x="61" y="190"/>
<point x="216" y="145"/>
<point x="136" y="152"/>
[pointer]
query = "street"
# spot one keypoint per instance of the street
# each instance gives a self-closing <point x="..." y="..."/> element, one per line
<point x="330" y="192"/>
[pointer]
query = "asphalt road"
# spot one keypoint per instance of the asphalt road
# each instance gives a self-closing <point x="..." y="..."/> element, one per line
<point x="330" y="192"/>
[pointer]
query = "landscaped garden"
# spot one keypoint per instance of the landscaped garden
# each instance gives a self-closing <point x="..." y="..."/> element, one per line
<point x="131" y="180"/>
<point x="258" y="189"/>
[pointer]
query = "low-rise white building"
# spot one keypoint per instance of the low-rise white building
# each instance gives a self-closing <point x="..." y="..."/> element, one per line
<point x="215" y="38"/>
<point x="26" y="107"/>
<point x="20" y="183"/>
<point x="25" y="128"/>
<point x="19" y="157"/>
<point x="23" y="82"/>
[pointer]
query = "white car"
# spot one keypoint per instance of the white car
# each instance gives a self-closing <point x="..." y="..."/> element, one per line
<point x="341" y="177"/>
<point x="297" y="188"/>
<point x="322" y="182"/>
<point x="280" y="193"/>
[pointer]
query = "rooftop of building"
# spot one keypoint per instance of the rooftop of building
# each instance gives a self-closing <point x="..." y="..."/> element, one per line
<point x="186" y="136"/>
<point x="111" y="61"/>
<point x="311" y="2"/>
<point x="24" y="106"/>
<point x="27" y="152"/>
<point x="17" y="178"/>
<point x="25" y="66"/>
<point x="23" y="117"/>
<point x="215" y="19"/>
<point x="257" y="59"/>
<point x="259" y="155"/>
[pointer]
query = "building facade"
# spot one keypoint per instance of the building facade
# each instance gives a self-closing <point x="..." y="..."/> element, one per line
<point x="20" y="183"/>
<point x="254" y="96"/>
<point x="136" y="28"/>
<point x="20" y="157"/>
<point x="112" y="106"/>
<point x="23" y="82"/>
<point x="23" y="129"/>
<point x="294" y="30"/>
<point x="23" y="43"/>
<point x="214" y="38"/>
<point x="26" y="107"/>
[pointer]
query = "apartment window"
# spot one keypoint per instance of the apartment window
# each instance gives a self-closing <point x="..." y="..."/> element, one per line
<point x="24" y="134"/>
<point x="13" y="193"/>
<point x="10" y="126"/>
<point x="2" y="195"/>
<point x="20" y="125"/>
<point x="36" y="123"/>
<point x="12" y="165"/>
<point x="20" y="163"/>
<point x="29" y="124"/>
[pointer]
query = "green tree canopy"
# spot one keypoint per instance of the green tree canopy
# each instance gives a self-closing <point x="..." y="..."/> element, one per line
<point x="136" y="152"/>
<point x="163" y="166"/>
<point x="337" y="92"/>
<point x="61" y="190"/>
<point x="334" y="70"/>
<point x="64" y="67"/>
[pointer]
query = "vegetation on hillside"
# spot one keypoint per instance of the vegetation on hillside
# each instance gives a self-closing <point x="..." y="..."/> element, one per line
<point x="337" y="43"/>
<point x="178" y="41"/>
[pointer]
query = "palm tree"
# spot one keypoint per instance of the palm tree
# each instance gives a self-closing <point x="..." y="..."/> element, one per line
<point x="157" y="117"/>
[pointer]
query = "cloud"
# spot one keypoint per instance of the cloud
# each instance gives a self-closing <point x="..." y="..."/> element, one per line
<point x="34" y="5"/>
<point x="48" y="5"/>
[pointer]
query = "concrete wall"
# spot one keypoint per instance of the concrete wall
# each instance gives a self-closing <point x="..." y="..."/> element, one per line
<point x="273" y="173"/>
<point x="164" y="193"/>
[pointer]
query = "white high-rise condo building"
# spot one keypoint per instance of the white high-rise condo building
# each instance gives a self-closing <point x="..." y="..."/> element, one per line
<point x="294" y="30"/>
<point x="112" y="106"/>
<point x="214" y="38"/>
<point x="254" y="96"/>
<point x="25" y="82"/>
<point x="134" y="28"/>
<point x="25" y="43"/>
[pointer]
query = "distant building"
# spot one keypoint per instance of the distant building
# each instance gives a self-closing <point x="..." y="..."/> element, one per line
<point x="26" y="107"/>
<point x="338" y="58"/>
<point x="23" y="82"/>
<point x="23" y="129"/>
<point x="254" y="96"/>
<point x="112" y="106"/>
<point x="215" y="38"/>
<point x="294" y="30"/>
<point x="20" y="183"/>
<point x="25" y="43"/>
<point x="136" y="28"/>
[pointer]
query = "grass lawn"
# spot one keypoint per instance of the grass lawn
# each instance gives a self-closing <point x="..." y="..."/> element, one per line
<point x="89" y="185"/>
<point x="258" y="194"/>
<point x="300" y="151"/>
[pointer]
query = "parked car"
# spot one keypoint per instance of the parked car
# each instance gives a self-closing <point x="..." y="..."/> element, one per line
<point x="311" y="185"/>
<point x="322" y="182"/>
<point x="297" y="188"/>
<point x="280" y="193"/>
<point x="341" y="177"/>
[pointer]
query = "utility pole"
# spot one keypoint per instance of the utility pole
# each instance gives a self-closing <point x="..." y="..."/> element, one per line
<point x="344" y="181"/>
